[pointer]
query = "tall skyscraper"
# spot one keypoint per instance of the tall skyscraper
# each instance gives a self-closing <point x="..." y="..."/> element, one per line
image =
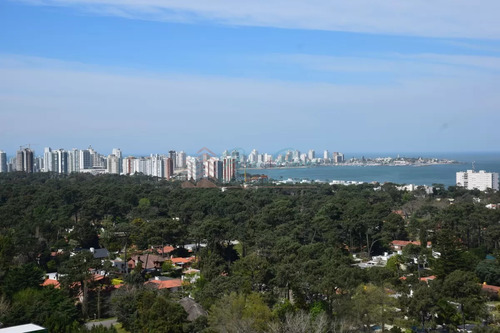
<point x="157" y="166"/>
<point x="173" y="155"/>
<point x="194" y="168"/>
<point x="85" y="159"/>
<point x="213" y="168"/>
<point x="169" y="167"/>
<point x="73" y="160"/>
<point x="113" y="164"/>
<point x="118" y="153"/>
<point x="24" y="160"/>
<point x="62" y="161"/>
<point x="180" y="160"/>
<point x="311" y="154"/>
<point x="338" y="157"/>
<point x="325" y="155"/>
<point x="229" y="169"/>
<point x="128" y="165"/>
<point x="3" y="161"/>
<point x="252" y="158"/>
<point x="47" y="160"/>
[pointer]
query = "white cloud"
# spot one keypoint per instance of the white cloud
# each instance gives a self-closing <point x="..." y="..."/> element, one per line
<point x="398" y="65"/>
<point x="72" y="104"/>
<point x="439" y="18"/>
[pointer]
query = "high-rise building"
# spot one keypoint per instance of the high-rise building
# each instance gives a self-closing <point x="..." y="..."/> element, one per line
<point x="480" y="180"/>
<point x="194" y="168"/>
<point x="47" y="160"/>
<point x="62" y="161"/>
<point x="38" y="164"/>
<point x="128" y="165"/>
<point x="118" y="153"/>
<point x="24" y="160"/>
<point x="338" y="157"/>
<point x="157" y="166"/>
<point x="85" y="159"/>
<point x="252" y="158"/>
<point x="229" y="169"/>
<point x="180" y="160"/>
<point x="213" y="168"/>
<point x="173" y="155"/>
<point x="73" y="160"/>
<point x="311" y="154"/>
<point x="3" y="161"/>
<point x="113" y="164"/>
<point x="169" y="167"/>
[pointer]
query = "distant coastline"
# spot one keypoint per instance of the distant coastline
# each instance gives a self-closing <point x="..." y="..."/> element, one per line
<point x="354" y="162"/>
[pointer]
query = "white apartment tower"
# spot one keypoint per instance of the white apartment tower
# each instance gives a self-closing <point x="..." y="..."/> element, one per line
<point x="118" y="153"/>
<point x="62" y="161"/>
<point x="311" y="154"/>
<point x="228" y="169"/>
<point x="180" y="160"/>
<point x="480" y="180"/>
<point x="128" y="165"/>
<point x="73" y="160"/>
<point x="157" y="166"/>
<point x="47" y="160"/>
<point x="194" y="168"/>
<point x="113" y="164"/>
<point x="212" y="168"/>
<point x="85" y="159"/>
<point x="3" y="161"/>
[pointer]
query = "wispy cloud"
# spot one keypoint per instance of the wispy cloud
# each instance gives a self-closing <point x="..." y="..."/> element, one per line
<point x="441" y="18"/>
<point x="402" y="66"/>
<point x="76" y="104"/>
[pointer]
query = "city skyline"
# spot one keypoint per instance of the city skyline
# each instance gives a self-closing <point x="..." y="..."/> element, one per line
<point x="365" y="77"/>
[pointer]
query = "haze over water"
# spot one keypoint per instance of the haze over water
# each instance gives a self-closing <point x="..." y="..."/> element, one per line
<point x="419" y="175"/>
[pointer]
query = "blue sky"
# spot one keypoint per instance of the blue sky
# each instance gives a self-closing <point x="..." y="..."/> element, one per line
<point x="152" y="75"/>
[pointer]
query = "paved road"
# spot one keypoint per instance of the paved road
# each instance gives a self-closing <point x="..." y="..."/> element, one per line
<point x="105" y="323"/>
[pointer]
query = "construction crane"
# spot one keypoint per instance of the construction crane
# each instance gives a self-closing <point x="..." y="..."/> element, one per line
<point x="28" y="144"/>
<point x="207" y="150"/>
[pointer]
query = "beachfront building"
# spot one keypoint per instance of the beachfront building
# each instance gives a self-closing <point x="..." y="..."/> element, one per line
<point x="480" y="180"/>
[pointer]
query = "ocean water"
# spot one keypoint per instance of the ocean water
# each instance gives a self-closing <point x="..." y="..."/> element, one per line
<point x="418" y="175"/>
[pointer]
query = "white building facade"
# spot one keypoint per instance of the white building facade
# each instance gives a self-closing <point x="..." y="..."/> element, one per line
<point x="480" y="180"/>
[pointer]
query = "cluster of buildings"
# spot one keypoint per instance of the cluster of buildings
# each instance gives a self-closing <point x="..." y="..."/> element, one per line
<point x="480" y="180"/>
<point x="287" y="158"/>
<point x="174" y="164"/>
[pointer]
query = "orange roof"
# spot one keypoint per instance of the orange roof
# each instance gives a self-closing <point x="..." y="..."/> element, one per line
<point x="404" y="243"/>
<point x="166" y="249"/>
<point x="51" y="282"/>
<point x="489" y="287"/>
<point x="428" y="278"/>
<point x="182" y="260"/>
<point x="175" y="283"/>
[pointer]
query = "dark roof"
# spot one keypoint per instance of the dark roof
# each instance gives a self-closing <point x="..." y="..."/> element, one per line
<point x="101" y="253"/>
<point x="98" y="253"/>
<point x="193" y="309"/>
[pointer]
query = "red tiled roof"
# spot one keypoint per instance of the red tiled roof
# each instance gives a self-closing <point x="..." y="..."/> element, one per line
<point x="166" y="249"/>
<point x="404" y="243"/>
<point x="488" y="287"/>
<point x="182" y="260"/>
<point x="51" y="282"/>
<point x="428" y="278"/>
<point x="175" y="283"/>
